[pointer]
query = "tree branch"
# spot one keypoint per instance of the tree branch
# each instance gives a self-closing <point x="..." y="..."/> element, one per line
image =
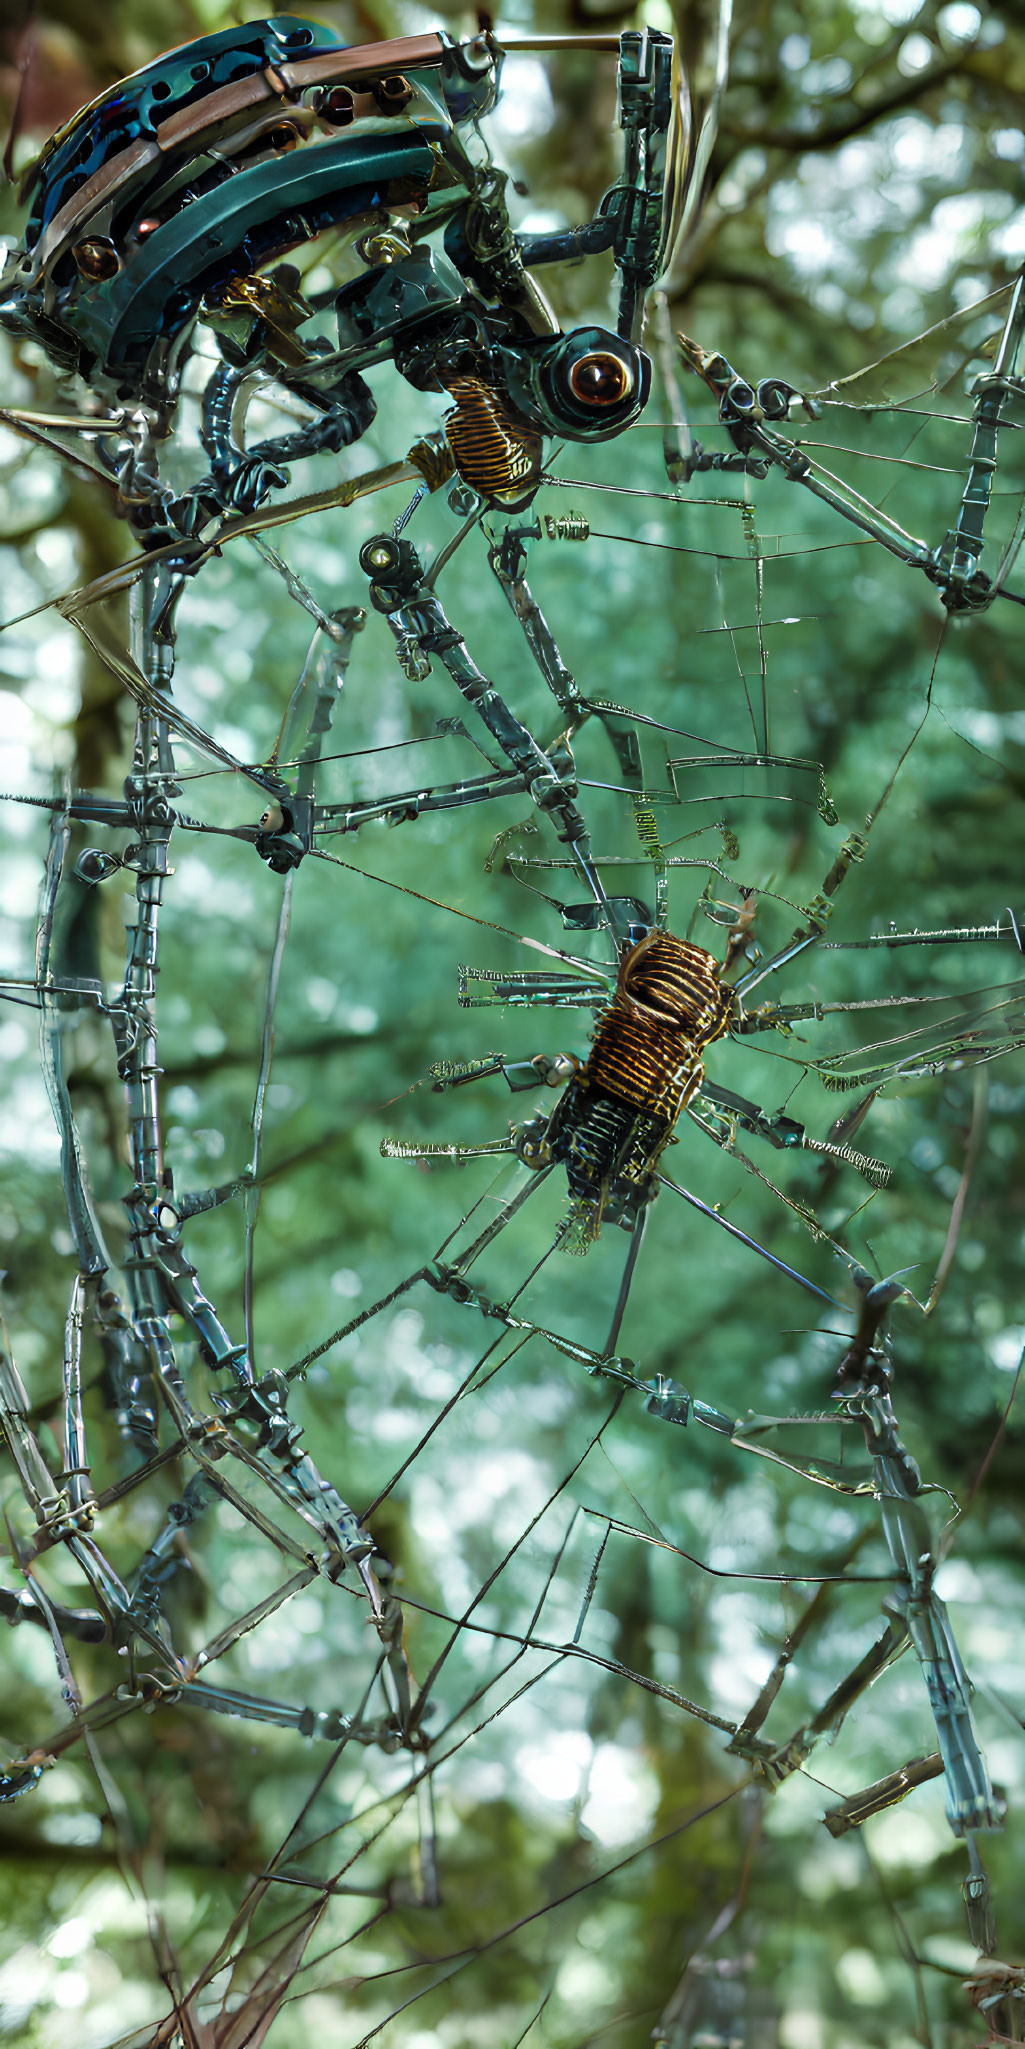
<point x="802" y="142"/>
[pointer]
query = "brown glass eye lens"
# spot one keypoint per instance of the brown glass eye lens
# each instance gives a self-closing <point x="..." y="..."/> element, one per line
<point x="599" y="380"/>
<point x="97" y="258"/>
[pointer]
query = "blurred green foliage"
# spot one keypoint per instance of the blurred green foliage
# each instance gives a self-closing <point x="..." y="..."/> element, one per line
<point x="864" y="185"/>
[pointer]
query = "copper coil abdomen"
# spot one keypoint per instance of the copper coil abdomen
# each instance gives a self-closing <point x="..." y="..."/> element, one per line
<point x="669" y="1004"/>
<point x="497" y="454"/>
<point x="654" y="1069"/>
<point x="679" y="983"/>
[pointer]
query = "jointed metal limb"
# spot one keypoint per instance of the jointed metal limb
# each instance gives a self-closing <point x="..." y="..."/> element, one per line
<point x="160" y="1276"/>
<point x="863" y="1387"/>
<point x="954" y="564"/>
<point x="415" y="616"/>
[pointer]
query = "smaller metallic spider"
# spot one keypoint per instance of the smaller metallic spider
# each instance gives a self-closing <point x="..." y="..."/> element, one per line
<point x="616" y="1115"/>
<point x="645" y="1065"/>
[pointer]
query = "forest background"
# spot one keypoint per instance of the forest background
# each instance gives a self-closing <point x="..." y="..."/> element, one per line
<point x="865" y="184"/>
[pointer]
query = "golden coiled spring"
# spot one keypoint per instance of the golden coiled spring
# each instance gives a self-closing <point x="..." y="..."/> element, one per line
<point x="494" y="452"/>
<point x="678" y="983"/>
<point x="642" y="1063"/>
<point x="668" y="1006"/>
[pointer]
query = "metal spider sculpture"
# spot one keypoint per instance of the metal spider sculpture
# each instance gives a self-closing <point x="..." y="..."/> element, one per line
<point x="174" y="203"/>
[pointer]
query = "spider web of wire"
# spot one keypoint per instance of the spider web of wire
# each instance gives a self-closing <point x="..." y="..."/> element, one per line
<point x="517" y="1492"/>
